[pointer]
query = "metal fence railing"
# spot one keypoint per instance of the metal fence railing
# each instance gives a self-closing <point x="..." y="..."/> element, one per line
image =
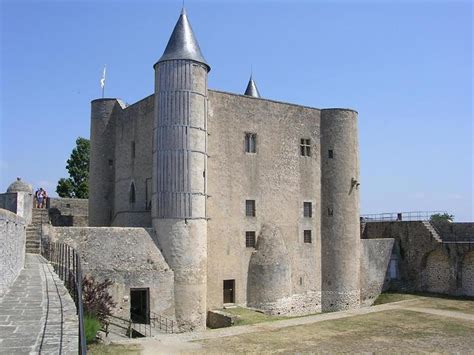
<point x="67" y="265"/>
<point x="162" y="323"/>
<point x="399" y="216"/>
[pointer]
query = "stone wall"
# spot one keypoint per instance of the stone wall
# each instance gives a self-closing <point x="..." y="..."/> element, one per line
<point x="277" y="177"/>
<point x="68" y="212"/>
<point x="424" y="263"/>
<point x="126" y="256"/>
<point x="375" y="256"/>
<point x="12" y="252"/>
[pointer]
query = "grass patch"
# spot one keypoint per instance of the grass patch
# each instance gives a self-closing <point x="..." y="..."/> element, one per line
<point x="91" y="327"/>
<point x="246" y="316"/>
<point x="132" y="349"/>
<point x="394" y="331"/>
<point x="389" y="297"/>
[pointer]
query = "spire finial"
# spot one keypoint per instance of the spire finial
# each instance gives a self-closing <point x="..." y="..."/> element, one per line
<point x="183" y="10"/>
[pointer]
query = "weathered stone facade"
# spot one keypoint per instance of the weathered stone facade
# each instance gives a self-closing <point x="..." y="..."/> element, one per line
<point x="12" y="252"/>
<point x="187" y="161"/>
<point x="425" y="263"/>
<point x="126" y="256"/>
<point x="68" y="212"/>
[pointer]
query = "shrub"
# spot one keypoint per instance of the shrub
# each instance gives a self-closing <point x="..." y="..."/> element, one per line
<point x="97" y="301"/>
<point x="441" y="217"/>
<point x="91" y="327"/>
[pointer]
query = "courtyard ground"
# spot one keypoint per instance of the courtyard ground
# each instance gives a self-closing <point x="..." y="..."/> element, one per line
<point x="416" y="324"/>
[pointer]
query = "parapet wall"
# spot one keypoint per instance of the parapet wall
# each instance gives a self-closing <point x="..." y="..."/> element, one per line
<point x="12" y="251"/>
<point x="69" y="212"/>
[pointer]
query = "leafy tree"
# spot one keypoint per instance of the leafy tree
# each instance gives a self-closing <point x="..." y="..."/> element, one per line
<point x="77" y="185"/>
<point x="441" y="217"/>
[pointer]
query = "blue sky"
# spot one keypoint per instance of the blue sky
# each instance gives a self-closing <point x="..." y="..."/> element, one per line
<point x="406" y="66"/>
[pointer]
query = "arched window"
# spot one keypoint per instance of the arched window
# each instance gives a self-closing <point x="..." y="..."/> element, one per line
<point x="132" y="193"/>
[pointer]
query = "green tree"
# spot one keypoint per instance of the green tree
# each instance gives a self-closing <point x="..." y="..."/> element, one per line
<point x="77" y="185"/>
<point x="441" y="217"/>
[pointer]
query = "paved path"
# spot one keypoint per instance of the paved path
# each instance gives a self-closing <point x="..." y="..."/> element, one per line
<point x="37" y="314"/>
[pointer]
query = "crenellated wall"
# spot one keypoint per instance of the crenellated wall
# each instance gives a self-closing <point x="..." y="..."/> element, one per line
<point x="12" y="251"/>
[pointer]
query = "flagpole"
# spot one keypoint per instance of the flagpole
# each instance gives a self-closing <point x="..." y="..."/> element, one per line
<point x="102" y="82"/>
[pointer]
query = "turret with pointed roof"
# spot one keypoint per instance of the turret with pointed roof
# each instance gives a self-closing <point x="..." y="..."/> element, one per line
<point x="179" y="170"/>
<point x="183" y="44"/>
<point x="252" y="89"/>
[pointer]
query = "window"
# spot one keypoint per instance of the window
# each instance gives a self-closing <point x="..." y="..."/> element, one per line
<point x="111" y="162"/>
<point x="330" y="212"/>
<point x="250" y="142"/>
<point x="133" y="150"/>
<point x="132" y="193"/>
<point x="250" y="239"/>
<point x="331" y="154"/>
<point x="307" y="236"/>
<point x="305" y="147"/>
<point x="308" y="209"/>
<point x="250" y="208"/>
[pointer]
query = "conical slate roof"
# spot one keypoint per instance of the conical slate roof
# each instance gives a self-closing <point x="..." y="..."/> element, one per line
<point x="252" y="89"/>
<point x="182" y="43"/>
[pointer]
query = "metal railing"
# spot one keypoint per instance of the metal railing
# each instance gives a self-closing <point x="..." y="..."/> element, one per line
<point x="67" y="265"/>
<point x="132" y="329"/>
<point x="162" y="323"/>
<point x="399" y="216"/>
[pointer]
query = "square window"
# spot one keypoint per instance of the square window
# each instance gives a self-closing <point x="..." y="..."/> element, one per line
<point x="250" y="239"/>
<point x="307" y="236"/>
<point x="308" y="209"/>
<point x="305" y="147"/>
<point x="250" y="208"/>
<point x="250" y="142"/>
<point x="331" y="154"/>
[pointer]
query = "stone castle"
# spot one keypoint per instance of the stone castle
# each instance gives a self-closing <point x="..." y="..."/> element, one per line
<point x="253" y="201"/>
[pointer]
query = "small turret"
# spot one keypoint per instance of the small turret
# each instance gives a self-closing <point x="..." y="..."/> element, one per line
<point x="252" y="89"/>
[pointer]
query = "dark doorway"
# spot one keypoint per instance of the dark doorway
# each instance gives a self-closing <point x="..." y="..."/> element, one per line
<point x="140" y="305"/>
<point x="229" y="291"/>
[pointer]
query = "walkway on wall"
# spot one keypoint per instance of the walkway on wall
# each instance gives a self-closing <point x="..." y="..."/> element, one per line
<point x="37" y="314"/>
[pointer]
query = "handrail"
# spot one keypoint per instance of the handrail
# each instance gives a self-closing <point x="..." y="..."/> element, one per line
<point x="67" y="265"/>
<point x="163" y="323"/>
<point x="399" y="216"/>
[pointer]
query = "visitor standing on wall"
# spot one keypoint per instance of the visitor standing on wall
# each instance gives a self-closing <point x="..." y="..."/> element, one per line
<point x="41" y="196"/>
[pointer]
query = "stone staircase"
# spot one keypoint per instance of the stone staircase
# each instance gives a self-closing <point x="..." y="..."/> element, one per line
<point x="33" y="231"/>
<point x="433" y="231"/>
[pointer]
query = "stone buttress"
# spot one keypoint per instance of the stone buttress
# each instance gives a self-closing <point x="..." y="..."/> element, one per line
<point x="179" y="171"/>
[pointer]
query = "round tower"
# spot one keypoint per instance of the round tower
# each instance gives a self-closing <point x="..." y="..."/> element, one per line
<point x="340" y="230"/>
<point x="101" y="164"/>
<point x="179" y="170"/>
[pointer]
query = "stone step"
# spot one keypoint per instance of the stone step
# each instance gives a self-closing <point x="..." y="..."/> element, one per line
<point x="33" y="250"/>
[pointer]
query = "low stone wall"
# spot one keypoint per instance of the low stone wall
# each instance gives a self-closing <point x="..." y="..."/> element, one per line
<point x="374" y="259"/>
<point x="68" y="212"/>
<point x="12" y="252"/>
<point x="126" y="256"/>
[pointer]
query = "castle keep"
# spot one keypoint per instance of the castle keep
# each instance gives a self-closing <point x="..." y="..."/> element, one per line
<point x="250" y="201"/>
